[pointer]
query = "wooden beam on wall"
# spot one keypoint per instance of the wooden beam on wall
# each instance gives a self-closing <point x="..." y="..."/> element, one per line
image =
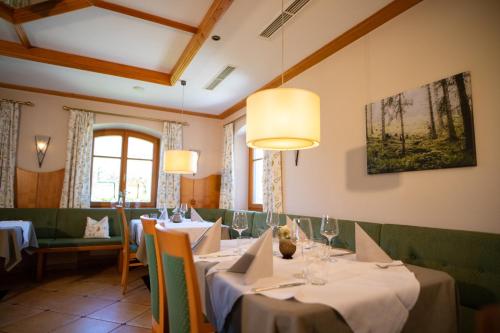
<point x="6" y="12"/>
<point x="144" y="16"/>
<point x="214" y="13"/>
<point x="105" y="100"/>
<point x="57" y="58"/>
<point x="382" y="16"/>
<point x="48" y="8"/>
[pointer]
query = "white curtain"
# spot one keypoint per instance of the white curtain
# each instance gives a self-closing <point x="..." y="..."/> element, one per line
<point x="272" y="183"/>
<point x="76" y="187"/>
<point x="9" y="132"/>
<point x="169" y="185"/>
<point x="227" y="179"/>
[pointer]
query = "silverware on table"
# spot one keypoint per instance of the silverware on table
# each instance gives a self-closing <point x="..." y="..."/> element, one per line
<point x="278" y="286"/>
<point x="385" y="266"/>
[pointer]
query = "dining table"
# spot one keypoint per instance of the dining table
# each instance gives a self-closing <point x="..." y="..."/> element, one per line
<point x="434" y="309"/>
<point x="194" y="229"/>
<point x="16" y="236"/>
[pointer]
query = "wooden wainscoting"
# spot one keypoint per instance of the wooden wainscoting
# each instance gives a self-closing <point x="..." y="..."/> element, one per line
<point x="206" y="191"/>
<point x="38" y="189"/>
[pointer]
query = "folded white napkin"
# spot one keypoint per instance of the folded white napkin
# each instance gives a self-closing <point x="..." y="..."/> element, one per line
<point x="209" y="242"/>
<point x="257" y="261"/>
<point x="195" y="217"/>
<point x="289" y="223"/>
<point x="367" y="249"/>
<point x="164" y="214"/>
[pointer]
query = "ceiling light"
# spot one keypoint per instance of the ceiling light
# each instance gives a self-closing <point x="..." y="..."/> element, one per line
<point x="181" y="161"/>
<point x="283" y="118"/>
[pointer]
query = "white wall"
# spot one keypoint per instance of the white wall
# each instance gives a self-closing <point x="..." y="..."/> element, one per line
<point x="48" y="118"/>
<point x="434" y="39"/>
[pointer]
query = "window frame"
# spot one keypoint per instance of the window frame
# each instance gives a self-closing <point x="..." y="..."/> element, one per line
<point x="126" y="134"/>
<point x="252" y="205"/>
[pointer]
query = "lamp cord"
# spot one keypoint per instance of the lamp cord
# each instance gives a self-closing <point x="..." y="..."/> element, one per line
<point x="282" y="43"/>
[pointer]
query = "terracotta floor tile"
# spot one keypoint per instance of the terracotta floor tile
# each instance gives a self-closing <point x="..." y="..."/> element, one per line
<point x="84" y="287"/>
<point x="112" y="292"/>
<point x="87" y="325"/>
<point x="131" y="329"/>
<point x="138" y="296"/>
<point x="144" y="320"/>
<point x="35" y="298"/>
<point x="79" y="305"/>
<point x="10" y="314"/>
<point x="40" y="323"/>
<point x="119" y="312"/>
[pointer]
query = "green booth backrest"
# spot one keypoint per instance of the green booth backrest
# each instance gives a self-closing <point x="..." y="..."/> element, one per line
<point x="136" y="213"/>
<point x="211" y="214"/>
<point x="71" y="222"/>
<point x="153" y="276"/>
<point x="177" y="295"/>
<point x="228" y="220"/>
<point x="472" y="258"/>
<point x="43" y="219"/>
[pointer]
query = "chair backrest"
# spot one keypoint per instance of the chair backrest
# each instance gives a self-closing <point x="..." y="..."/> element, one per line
<point x="183" y="294"/>
<point x="156" y="280"/>
<point x="124" y="226"/>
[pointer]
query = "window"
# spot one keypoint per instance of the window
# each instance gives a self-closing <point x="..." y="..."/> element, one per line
<point x="125" y="161"/>
<point x="256" y="171"/>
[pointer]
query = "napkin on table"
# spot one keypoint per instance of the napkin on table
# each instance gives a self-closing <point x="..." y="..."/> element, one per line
<point x="209" y="242"/>
<point x="289" y="224"/>
<point x="195" y="217"/>
<point x="257" y="261"/>
<point x="367" y="249"/>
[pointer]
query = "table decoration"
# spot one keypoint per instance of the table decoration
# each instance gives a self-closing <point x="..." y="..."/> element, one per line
<point x="286" y="246"/>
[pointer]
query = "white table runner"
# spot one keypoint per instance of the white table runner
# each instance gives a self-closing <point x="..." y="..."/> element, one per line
<point x="369" y="298"/>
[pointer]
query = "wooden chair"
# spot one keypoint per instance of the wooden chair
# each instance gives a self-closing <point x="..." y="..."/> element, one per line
<point x="182" y="291"/>
<point x="156" y="280"/>
<point x="129" y="251"/>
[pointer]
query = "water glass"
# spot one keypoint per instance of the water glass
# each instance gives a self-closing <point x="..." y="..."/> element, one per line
<point x="240" y="223"/>
<point x="329" y="228"/>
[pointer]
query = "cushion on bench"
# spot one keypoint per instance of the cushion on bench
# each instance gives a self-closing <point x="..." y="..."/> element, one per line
<point x="43" y="219"/>
<point x="74" y="242"/>
<point x="472" y="258"/>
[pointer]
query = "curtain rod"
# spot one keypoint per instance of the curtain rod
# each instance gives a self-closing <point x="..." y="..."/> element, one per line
<point x="235" y="120"/>
<point x="28" y="103"/>
<point x="67" y="108"/>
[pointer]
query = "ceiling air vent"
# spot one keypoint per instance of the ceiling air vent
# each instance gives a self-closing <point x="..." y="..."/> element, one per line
<point x="220" y="77"/>
<point x="288" y="13"/>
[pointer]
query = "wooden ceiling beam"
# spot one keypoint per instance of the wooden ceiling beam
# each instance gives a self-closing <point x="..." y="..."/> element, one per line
<point x="214" y="13"/>
<point x="105" y="100"/>
<point x="58" y="58"/>
<point x="6" y="12"/>
<point x="385" y="14"/>
<point x="144" y="16"/>
<point x="47" y="9"/>
<point x="21" y="34"/>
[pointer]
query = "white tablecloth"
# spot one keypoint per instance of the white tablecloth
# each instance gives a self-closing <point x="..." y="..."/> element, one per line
<point x="369" y="298"/>
<point x="16" y="236"/>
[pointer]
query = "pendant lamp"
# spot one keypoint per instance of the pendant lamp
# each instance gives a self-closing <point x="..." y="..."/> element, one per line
<point x="180" y="161"/>
<point x="283" y="118"/>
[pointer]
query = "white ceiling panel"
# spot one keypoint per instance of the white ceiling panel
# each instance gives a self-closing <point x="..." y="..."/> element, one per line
<point x="103" y="34"/>
<point x="7" y="31"/>
<point x="110" y="36"/>
<point x="185" y="11"/>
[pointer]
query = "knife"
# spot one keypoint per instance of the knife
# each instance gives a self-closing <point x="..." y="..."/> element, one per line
<point x="278" y="286"/>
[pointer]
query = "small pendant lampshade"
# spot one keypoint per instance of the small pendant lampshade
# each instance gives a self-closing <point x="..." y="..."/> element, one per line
<point x="180" y="161"/>
<point x="283" y="119"/>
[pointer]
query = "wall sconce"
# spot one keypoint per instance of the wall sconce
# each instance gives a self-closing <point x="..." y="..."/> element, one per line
<point x="41" y="143"/>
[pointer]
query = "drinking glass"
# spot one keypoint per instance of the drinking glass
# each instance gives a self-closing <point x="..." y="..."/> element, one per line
<point x="240" y="224"/>
<point x="273" y="221"/>
<point x="301" y="234"/>
<point x="183" y="210"/>
<point x="329" y="228"/>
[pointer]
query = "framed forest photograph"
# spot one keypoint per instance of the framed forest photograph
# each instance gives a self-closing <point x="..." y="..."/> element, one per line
<point x="430" y="127"/>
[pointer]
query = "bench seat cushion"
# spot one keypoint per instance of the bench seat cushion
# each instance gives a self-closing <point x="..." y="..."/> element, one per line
<point x="44" y="242"/>
<point x="73" y="242"/>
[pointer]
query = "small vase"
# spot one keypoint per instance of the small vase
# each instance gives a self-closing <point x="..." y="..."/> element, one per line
<point x="287" y="248"/>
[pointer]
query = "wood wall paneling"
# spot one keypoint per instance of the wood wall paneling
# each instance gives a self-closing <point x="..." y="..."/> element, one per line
<point x="206" y="191"/>
<point x="38" y="189"/>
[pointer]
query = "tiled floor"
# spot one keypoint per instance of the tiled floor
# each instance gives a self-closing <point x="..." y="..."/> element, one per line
<point x="90" y="302"/>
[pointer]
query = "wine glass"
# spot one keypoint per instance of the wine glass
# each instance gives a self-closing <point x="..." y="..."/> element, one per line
<point x="240" y="224"/>
<point x="273" y="220"/>
<point x="329" y="228"/>
<point x="183" y="210"/>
